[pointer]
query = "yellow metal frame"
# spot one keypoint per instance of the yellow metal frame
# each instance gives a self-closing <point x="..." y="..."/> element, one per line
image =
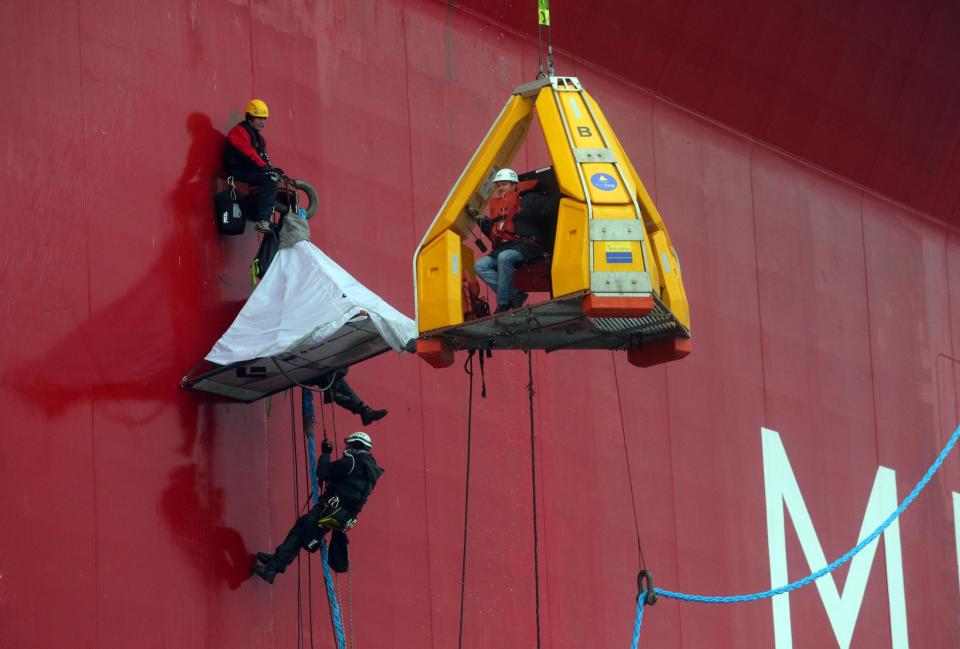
<point x="610" y="242"/>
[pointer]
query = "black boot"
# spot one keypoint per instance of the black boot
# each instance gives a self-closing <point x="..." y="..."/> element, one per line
<point x="264" y="572"/>
<point x="368" y="415"/>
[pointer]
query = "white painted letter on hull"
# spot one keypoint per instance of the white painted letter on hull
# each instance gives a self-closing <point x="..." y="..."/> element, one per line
<point x="956" y="526"/>
<point x="783" y="492"/>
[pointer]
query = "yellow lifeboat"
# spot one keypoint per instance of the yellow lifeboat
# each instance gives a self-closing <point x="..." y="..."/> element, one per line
<point x="612" y="274"/>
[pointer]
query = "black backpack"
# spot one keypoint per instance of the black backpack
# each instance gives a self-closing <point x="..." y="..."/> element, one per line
<point x="228" y="211"/>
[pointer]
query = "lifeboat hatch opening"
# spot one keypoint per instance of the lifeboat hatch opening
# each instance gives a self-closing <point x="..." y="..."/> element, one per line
<point x="248" y="381"/>
<point x="608" y="267"/>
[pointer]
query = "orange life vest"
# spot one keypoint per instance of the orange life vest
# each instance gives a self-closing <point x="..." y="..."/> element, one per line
<point x="503" y="209"/>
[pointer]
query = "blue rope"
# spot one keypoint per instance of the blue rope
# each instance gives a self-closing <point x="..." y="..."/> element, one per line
<point x="639" y="620"/>
<point x="307" y="398"/>
<point x="714" y="599"/>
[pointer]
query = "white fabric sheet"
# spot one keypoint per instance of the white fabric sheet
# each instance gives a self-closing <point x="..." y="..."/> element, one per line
<point x="304" y="298"/>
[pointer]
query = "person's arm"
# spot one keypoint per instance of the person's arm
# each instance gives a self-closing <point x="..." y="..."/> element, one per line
<point x="327" y="470"/>
<point x="240" y="140"/>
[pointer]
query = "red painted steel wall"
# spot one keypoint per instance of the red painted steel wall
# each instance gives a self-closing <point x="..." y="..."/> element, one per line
<point x="868" y="89"/>
<point x="130" y="508"/>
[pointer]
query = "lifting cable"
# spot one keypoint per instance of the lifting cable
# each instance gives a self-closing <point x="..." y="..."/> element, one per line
<point x="543" y="20"/>
<point x="296" y="515"/>
<point x="533" y="476"/>
<point x="648" y="593"/>
<point x="626" y="455"/>
<point x="468" y="368"/>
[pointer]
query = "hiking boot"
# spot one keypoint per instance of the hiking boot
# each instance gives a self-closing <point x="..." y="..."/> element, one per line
<point x="368" y="415"/>
<point x="501" y="308"/>
<point x="518" y="300"/>
<point x="264" y="573"/>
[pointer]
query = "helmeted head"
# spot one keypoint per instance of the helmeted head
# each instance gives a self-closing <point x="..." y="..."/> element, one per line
<point x="505" y="180"/>
<point x="359" y="440"/>
<point x="257" y="113"/>
<point x="506" y="174"/>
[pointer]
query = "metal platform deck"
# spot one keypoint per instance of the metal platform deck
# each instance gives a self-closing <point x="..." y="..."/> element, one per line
<point x="249" y="381"/>
<point x="560" y="324"/>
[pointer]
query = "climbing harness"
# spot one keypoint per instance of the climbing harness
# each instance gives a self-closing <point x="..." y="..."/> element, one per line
<point x="648" y="590"/>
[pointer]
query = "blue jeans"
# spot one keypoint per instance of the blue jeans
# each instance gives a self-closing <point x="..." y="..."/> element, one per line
<point x="497" y="273"/>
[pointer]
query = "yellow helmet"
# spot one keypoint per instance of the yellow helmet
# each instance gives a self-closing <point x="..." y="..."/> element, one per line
<point x="258" y="108"/>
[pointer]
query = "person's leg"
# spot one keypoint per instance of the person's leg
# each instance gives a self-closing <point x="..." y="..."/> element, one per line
<point x="507" y="262"/>
<point x="267" y="566"/>
<point x="486" y="270"/>
<point x="306" y="528"/>
<point x="345" y="397"/>
<point x="268" y="191"/>
<point x="268" y="196"/>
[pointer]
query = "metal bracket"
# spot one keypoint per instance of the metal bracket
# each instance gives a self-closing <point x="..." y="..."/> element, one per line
<point x="616" y="230"/>
<point x="619" y="282"/>
<point x="531" y="89"/>
<point x="584" y="154"/>
<point x="566" y="84"/>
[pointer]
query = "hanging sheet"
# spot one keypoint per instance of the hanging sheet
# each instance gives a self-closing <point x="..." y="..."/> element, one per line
<point x="304" y="299"/>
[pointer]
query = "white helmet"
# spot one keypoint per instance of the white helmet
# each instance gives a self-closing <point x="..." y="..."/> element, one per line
<point x="506" y="174"/>
<point x="362" y="438"/>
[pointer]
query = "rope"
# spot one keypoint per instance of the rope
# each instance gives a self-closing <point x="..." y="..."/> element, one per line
<point x="332" y="597"/>
<point x="296" y="501"/>
<point x="468" y="368"/>
<point x="714" y="599"/>
<point x="626" y="455"/>
<point x="298" y="383"/>
<point x="308" y="420"/>
<point x="335" y="617"/>
<point x="533" y="478"/>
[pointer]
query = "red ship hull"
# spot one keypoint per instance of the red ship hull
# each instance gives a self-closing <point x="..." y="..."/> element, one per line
<point x="820" y="259"/>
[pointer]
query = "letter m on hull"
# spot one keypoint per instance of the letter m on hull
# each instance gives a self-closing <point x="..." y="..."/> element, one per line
<point x="783" y="494"/>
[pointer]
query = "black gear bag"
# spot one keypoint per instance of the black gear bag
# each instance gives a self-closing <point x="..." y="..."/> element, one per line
<point x="228" y="211"/>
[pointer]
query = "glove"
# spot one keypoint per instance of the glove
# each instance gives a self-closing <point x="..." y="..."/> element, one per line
<point x="271" y="173"/>
<point x="326" y="447"/>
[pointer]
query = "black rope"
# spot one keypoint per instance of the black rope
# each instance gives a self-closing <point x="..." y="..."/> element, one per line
<point x="323" y="427"/>
<point x="483" y="376"/>
<point x="533" y="474"/>
<point x="468" y="368"/>
<point x="296" y="500"/>
<point x="306" y="473"/>
<point x="626" y="455"/>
